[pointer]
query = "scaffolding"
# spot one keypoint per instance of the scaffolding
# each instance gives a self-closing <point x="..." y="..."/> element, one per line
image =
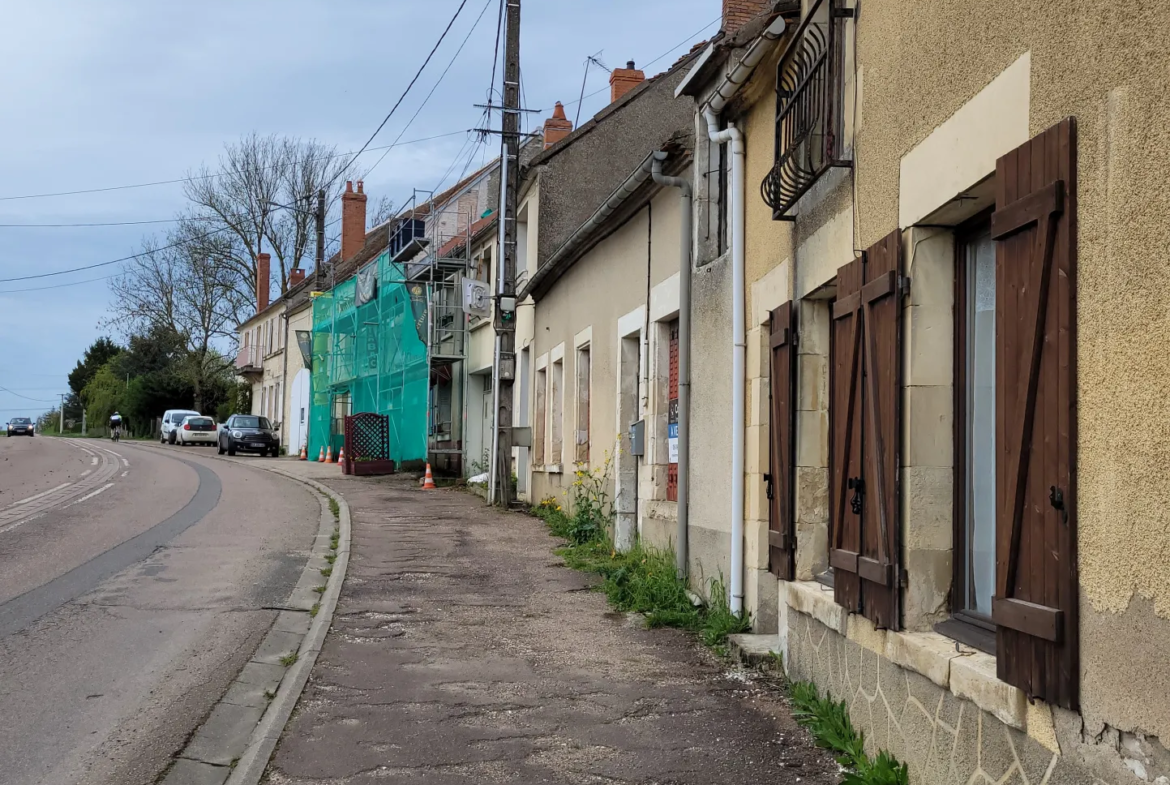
<point x="393" y="340"/>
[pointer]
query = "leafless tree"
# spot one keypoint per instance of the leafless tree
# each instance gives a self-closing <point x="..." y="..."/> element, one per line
<point x="190" y="286"/>
<point x="248" y="199"/>
<point x="383" y="211"/>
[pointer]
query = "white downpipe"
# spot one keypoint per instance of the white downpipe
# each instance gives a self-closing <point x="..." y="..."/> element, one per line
<point x="733" y="135"/>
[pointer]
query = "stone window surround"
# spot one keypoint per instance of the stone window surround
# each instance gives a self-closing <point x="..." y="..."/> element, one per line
<point x="966" y="672"/>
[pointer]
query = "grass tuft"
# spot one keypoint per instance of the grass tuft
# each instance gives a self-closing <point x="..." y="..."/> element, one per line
<point x="326" y="571"/>
<point x="319" y="589"/>
<point x="313" y="611"/>
<point x="289" y="659"/>
<point x="830" y="726"/>
<point x="331" y="557"/>
<point x="334" y="508"/>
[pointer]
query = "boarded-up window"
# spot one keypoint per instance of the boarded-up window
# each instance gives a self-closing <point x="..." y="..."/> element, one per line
<point x="782" y="446"/>
<point x="538" y="437"/>
<point x="583" y="371"/>
<point x="865" y="410"/>
<point x="672" y="418"/>
<point x="557" y="414"/>
<point x="1035" y="603"/>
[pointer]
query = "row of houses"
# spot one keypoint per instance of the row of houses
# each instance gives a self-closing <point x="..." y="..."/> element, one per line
<point x="859" y="304"/>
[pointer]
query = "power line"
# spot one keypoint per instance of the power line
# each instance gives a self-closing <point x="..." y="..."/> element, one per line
<point x="114" y="261"/>
<point x="434" y="87"/>
<point x="18" y="395"/>
<point x="71" y="225"/>
<point x="402" y="97"/>
<point x="206" y="176"/>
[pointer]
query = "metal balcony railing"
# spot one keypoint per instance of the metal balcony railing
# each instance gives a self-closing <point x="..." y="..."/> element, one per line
<point x="248" y="359"/>
<point x="809" y="109"/>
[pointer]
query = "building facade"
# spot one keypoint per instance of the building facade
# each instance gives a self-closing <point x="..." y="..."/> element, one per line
<point x="950" y="408"/>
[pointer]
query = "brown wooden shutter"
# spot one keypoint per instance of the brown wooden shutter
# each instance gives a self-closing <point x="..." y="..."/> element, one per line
<point x="782" y="445"/>
<point x="845" y="435"/>
<point x="1035" y="605"/>
<point x="867" y="363"/>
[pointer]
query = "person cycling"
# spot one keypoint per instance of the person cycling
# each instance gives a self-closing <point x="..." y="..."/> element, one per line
<point x="115" y="426"/>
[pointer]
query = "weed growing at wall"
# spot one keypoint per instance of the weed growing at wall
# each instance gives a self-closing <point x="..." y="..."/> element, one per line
<point x="642" y="580"/>
<point x="829" y="724"/>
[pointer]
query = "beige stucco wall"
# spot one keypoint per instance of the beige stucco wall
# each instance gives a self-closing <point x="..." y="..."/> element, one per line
<point x="607" y="283"/>
<point x="300" y="320"/>
<point x="921" y="62"/>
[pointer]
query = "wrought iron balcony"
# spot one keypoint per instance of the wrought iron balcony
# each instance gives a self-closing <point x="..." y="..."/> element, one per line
<point x="809" y="109"/>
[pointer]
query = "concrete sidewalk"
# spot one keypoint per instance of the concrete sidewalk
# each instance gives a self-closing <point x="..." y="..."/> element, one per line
<point x="463" y="652"/>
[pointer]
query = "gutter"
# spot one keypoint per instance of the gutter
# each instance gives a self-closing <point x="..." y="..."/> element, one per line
<point x="578" y="238"/>
<point x="710" y="110"/>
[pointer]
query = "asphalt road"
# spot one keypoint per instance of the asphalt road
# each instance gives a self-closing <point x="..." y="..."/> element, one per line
<point x="135" y="582"/>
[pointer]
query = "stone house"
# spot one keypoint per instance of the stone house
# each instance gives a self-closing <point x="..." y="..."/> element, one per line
<point x="920" y="259"/>
<point x="599" y="262"/>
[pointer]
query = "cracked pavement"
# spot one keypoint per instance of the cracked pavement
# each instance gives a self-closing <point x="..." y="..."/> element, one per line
<point x="463" y="652"/>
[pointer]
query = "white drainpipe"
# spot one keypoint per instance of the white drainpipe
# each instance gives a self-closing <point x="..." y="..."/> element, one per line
<point x="711" y="109"/>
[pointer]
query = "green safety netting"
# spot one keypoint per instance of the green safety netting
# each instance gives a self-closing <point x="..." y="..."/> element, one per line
<point x="368" y="357"/>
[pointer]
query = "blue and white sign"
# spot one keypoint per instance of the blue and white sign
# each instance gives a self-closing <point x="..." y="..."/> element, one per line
<point x="672" y="442"/>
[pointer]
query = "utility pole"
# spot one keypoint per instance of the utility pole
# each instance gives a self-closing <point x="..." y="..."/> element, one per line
<point x="61" y="428"/>
<point x="320" y="215"/>
<point x="505" y="364"/>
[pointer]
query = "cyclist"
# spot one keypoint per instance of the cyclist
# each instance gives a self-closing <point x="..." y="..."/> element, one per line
<point x="115" y="426"/>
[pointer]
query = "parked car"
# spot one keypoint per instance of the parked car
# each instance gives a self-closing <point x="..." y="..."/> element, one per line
<point x="197" y="430"/>
<point x="20" y="426"/>
<point x="248" y="433"/>
<point x="172" y="421"/>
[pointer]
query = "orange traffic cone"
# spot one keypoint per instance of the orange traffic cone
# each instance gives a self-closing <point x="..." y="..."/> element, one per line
<point x="329" y="454"/>
<point x="341" y="455"/>
<point x="304" y="456"/>
<point x="321" y="456"/>
<point x="428" y="481"/>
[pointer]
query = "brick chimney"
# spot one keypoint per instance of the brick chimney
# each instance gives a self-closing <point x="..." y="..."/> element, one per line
<point x="296" y="276"/>
<point x="556" y="127"/>
<point x="263" y="280"/>
<point x="353" y="220"/>
<point x="623" y="80"/>
<point x="737" y="13"/>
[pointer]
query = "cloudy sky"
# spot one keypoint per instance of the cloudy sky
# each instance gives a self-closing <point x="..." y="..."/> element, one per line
<point x="126" y="92"/>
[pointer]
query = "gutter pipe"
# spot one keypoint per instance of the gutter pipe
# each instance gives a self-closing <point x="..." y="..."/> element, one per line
<point x="710" y="110"/>
<point x="684" y="357"/>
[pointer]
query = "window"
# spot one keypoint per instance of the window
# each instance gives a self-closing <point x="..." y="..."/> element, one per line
<point x="583" y="371"/>
<point x="541" y="416"/>
<point x="975" y="425"/>
<point x="557" y="426"/>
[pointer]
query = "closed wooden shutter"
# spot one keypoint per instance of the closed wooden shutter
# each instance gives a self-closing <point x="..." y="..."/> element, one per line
<point x="1035" y="604"/>
<point x="672" y="417"/>
<point x="782" y="445"/>
<point x="866" y="427"/>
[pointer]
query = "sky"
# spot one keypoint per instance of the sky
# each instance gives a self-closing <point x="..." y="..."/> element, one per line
<point x="126" y="92"/>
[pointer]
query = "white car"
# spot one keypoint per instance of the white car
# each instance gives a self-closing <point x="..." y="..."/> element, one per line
<point x="197" y="429"/>
<point x="172" y="421"/>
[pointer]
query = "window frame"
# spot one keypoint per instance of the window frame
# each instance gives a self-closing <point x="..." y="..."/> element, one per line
<point x="966" y="626"/>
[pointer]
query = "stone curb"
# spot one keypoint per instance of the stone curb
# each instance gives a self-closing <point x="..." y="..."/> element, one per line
<point x="214" y="761"/>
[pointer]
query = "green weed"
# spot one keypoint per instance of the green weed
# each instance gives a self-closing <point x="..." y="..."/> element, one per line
<point x="313" y="611"/>
<point x="319" y="589"/>
<point x="326" y="571"/>
<point x="331" y="557"/>
<point x="289" y="659"/>
<point x="830" y="726"/>
<point x="335" y="508"/>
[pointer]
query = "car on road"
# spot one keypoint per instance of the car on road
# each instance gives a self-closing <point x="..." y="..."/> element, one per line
<point x="248" y="433"/>
<point x="20" y="426"/>
<point x="173" y="421"/>
<point x="197" y="430"/>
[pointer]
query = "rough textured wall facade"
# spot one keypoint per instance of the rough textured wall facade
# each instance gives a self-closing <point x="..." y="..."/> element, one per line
<point x="1106" y="66"/>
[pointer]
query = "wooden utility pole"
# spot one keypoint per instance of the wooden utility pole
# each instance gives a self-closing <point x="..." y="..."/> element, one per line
<point x="506" y="299"/>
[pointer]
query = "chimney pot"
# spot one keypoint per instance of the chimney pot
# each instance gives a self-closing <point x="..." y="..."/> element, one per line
<point x="359" y="186"/>
<point x="623" y="80"/>
<point x="556" y="127"/>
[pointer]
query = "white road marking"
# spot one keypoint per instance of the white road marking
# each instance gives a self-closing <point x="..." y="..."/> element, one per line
<point x="105" y="487"/>
<point x="21" y="522"/>
<point x="126" y="463"/>
<point x="93" y="461"/>
<point x="87" y="471"/>
<point x="125" y="472"/>
<point x="39" y="495"/>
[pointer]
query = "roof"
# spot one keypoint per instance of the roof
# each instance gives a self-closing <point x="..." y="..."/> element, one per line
<point x="475" y="231"/>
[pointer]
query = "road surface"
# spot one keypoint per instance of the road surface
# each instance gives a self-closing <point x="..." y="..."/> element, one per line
<point x="135" y="582"/>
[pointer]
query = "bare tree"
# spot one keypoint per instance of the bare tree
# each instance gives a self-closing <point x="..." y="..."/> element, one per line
<point x="246" y="200"/>
<point x="383" y="211"/>
<point x="189" y="286"/>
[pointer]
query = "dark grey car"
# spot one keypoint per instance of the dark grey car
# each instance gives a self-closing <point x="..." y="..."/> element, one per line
<point x="20" y="426"/>
<point x="248" y="433"/>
